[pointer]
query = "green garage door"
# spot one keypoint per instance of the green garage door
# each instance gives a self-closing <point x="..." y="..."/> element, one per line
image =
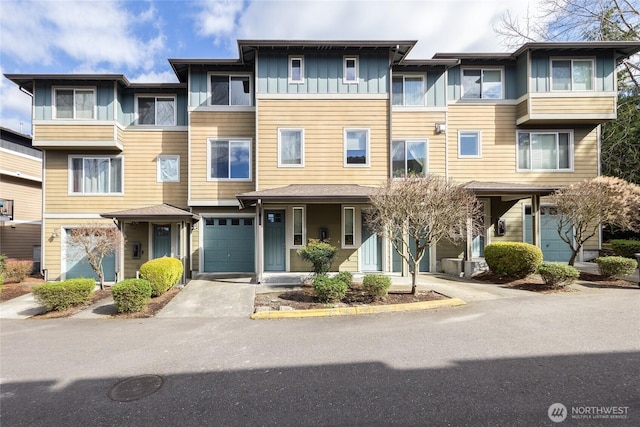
<point x="229" y="245"/>
<point x="77" y="265"/>
<point x="553" y="248"/>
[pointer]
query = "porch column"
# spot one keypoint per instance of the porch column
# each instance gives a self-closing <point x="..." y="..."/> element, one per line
<point x="120" y="254"/>
<point x="535" y="220"/>
<point x="468" y="253"/>
<point x="259" y="242"/>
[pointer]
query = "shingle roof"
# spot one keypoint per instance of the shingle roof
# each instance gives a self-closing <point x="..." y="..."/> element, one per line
<point x="157" y="211"/>
<point x="309" y="192"/>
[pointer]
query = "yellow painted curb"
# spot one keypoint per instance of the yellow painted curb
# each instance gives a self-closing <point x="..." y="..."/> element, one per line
<point x="354" y="311"/>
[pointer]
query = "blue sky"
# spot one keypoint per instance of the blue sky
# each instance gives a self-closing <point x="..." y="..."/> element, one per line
<point x="136" y="38"/>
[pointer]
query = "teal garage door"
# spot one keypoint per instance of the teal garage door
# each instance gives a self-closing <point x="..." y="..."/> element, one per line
<point x="553" y="248"/>
<point x="78" y="266"/>
<point x="229" y="245"/>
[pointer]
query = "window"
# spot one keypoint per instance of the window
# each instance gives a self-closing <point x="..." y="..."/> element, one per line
<point x="356" y="147"/>
<point x="572" y="74"/>
<point x="348" y="226"/>
<point x="408" y="90"/>
<point x="229" y="159"/>
<point x="75" y="103"/>
<point x="290" y="147"/>
<point x="469" y="144"/>
<point x="168" y="169"/>
<point x="482" y="83"/>
<point x="350" y="72"/>
<point x="156" y="110"/>
<point x="408" y="158"/>
<point x="298" y="226"/>
<point x="95" y="175"/>
<point x="230" y="90"/>
<point x="296" y="69"/>
<point x="545" y="151"/>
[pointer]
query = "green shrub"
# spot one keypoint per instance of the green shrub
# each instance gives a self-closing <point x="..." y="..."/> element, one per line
<point x="615" y="266"/>
<point x="3" y="265"/>
<point x="345" y="277"/>
<point x="131" y="295"/>
<point x="329" y="289"/>
<point x="557" y="274"/>
<point x="625" y="247"/>
<point x="163" y="273"/>
<point x="513" y="259"/>
<point x="18" y="269"/>
<point x="59" y="296"/>
<point x="320" y="254"/>
<point x="376" y="285"/>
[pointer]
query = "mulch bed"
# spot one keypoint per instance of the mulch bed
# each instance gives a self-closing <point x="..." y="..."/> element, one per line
<point x="11" y="290"/>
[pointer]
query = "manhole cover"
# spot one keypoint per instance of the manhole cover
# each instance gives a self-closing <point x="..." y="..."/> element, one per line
<point x="135" y="388"/>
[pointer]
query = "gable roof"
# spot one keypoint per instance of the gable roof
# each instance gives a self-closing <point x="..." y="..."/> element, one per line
<point x="163" y="211"/>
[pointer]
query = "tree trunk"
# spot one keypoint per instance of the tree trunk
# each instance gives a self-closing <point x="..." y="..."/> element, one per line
<point x="101" y="279"/>
<point x="414" y="281"/>
<point x="574" y="255"/>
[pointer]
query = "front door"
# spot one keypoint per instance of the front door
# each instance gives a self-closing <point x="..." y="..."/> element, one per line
<point x="161" y="240"/>
<point x="274" y="241"/>
<point x="371" y="250"/>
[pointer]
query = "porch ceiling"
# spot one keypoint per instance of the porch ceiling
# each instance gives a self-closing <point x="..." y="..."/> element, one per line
<point x="309" y="193"/>
<point x="158" y="212"/>
<point x="509" y="190"/>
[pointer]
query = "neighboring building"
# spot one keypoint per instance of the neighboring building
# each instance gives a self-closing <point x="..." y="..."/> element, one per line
<point x="238" y="165"/>
<point x="20" y="197"/>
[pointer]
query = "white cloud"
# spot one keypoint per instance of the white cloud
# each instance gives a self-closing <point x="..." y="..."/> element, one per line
<point x="15" y="108"/>
<point x="218" y="18"/>
<point x="155" y="77"/>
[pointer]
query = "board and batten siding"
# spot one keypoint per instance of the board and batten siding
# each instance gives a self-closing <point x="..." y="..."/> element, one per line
<point x="605" y="75"/>
<point x="218" y="125"/>
<point x="421" y="125"/>
<point x="43" y="98"/>
<point x="82" y="131"/>
<point x="323" y="122"/>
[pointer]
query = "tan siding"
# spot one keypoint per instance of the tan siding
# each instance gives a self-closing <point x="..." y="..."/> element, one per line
<point x="26" y="196"/>
<point x="324" y="123"/>
<point x="26" y="166"/>
<point x="18" y="239"/>
<point x="206" y="125"/>
<point x="522" y="109"/>
<point x="447" y="249"/>
<point x="573" y="105"/>
<point x="346" y="260"/>
<point x="138" y="234"/>
<point x="422" y="125"/>
<point x="79" y="132"/>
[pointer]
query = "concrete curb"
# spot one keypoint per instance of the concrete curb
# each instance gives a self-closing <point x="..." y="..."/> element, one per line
<point x="355" y="311"/>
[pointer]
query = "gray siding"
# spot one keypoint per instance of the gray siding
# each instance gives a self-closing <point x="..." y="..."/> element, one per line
<point x="605" y="73"/>
<point x="436" y="90"/>
<point x="454" y="91"/>
<point x="43" y="99"/>
<point x="521" y="77"/>
<point x="198" y="95"/>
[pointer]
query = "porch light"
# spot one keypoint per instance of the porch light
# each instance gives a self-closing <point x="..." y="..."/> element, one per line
<point x="440" y="127"/>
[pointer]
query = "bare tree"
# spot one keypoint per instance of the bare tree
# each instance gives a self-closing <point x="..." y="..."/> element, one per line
<point x="94" y="242"/>
<point x="424" y="211"/>
<point x="603" y="200"/>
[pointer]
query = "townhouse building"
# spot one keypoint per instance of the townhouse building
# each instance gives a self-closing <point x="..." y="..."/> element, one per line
<point x="244" y="160"/>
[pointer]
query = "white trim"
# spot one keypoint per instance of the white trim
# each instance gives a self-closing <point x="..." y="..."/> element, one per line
<point x="54" y="107"/>
<point x="222" y="108"/>
<point x="19" y="174"/>
<point x="417" y="109"/>
<point x="148" y="128"/>
<point x="342" y="236"/>
<point x="24" y="221"/>
<point x="136" y="116"/>
<point x="175" y="157"/>
<point x="368" y="148"/>
<point x="478" y="133"/>
<point x="205" y="215"/>
<point x="576" y="116"/>
<point x="70" y="158"/>
<point x="322" y="96"/>
<point x="572" y="60"/>
<point x="111" y="144"/>
<point x="214" y="202"/>
<point x="482" y="69"/>
<point x="546" y="131"/>
<point x="482" y="101"/>
<point x="229" y="141"/>
<point x="229" y="75"/>
<point x="72" y="216"/>
<point x="287" y="165"/>
<point x="290" y="69"/>
<point x="78" y="122"/>
<point x="304" y="226"/>
<point x="562" y="94"/>
<point x="15" y="153"/>
<point x="356" y="60"/>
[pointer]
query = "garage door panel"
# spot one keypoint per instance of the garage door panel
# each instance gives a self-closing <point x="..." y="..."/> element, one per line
<point x="229" y="245"/>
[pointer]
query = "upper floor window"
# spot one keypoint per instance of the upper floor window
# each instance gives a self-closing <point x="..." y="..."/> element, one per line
<point x="356" y="147"/>
<point x="229" y="159"/>
<point x="469" y="144"/>
<point x="228" y="89"/>
<point x="408" y="158"/>
<point x="572" y="74"/>
<point x="350" y="72"/>
<point x="545" y="150"/>
<point x="408" y="90"/>
<point x="95" y="175"/>
<point x="296" y="69"/>
<point x="482" y="83"/>
<point x="290" y="147"/>
<point x="75" y="103"/>
<point x="156" y="110"/>
<point x="168" y="168"/>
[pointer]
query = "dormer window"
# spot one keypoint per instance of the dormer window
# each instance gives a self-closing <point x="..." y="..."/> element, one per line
<point x="482" y="83"/>
<point x="572" y="74"/>
<point x="72" y="103"/>
<point x="296" y="69"/>
<point x="156" y="110"/>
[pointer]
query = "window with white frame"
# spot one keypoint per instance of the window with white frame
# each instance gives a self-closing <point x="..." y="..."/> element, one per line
<point x="545" y="150"/>
<point x="408" y="90"/>
<point x="290" y="147"/>
<point x="298" y="226"/>
<point x="168" y="168"/>
<point x="350" y="72"/>
<point x="75" y="103"/>
<point x="230" y="90"/>
<point x="482" y="83"/>
<point x="572" y="74"/>
<point x="469" y="144"/>
<point x="408" y="157"/>
<point x="356" y="147"/>
<point x="229" y="159"/>
<point x="95" y="175"/>
<point x="296" y="69"/>
<point x="348" y="226"/>
<point x="156" y="110"/>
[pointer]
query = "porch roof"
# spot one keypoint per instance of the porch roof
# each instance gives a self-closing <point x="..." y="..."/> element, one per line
<point x="309" y="193"/>
<point x="509" y="188"/>
<point x="163" y="212"/>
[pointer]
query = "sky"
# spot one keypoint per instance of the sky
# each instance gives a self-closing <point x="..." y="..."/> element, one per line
<point x="135" y="38"/>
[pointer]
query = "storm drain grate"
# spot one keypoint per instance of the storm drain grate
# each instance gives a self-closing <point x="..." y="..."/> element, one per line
<point x="135" y="388"/>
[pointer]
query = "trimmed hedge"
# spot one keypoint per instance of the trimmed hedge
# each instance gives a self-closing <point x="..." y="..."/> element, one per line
<point x="615" y="266"/>
<point x="513" y="259"/>
<point x="320" y="254"/>
<point x="625" y="247"/>
<point x="345" y="276"/>
<point x="131" y="295"/>
<point x="329" y="289"/>
<point x="557" y="274"/>
<point x="376" y="285"/>
<point x="58" y="296"/>
<point x="163" y="273"/>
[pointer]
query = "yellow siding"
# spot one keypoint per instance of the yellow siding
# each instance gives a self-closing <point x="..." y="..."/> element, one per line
<point x="26" y="196"/>
<point x="18" y="239"/>
<point x="422" y="125"/>
<point x="206" y="125"/>
<point x="446" y="249"/>
<point x="324" y="123"/>
<point x="346" y="260"/>
<point x="79" y="132"/>
<point x="138" y="234"/>
<point x="573" y="105"/>
<point x="26" y="166"/>
<point x="522" y="109"/>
